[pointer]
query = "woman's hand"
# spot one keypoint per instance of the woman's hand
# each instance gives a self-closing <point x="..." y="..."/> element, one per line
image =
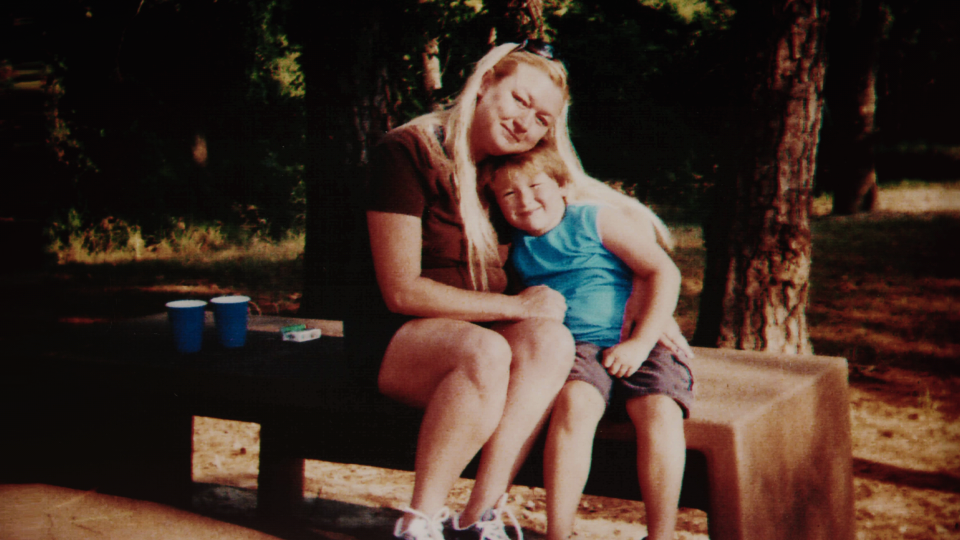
<point x="674" y="341"/>
<point x="672" y="338"/>
<point x="396" y="242"/>
<point x="543" y="302"/>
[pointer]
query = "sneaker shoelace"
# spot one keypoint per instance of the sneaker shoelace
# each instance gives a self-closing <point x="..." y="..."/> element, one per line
<point x="433" y="525"/>
<point x="494" y="528"/>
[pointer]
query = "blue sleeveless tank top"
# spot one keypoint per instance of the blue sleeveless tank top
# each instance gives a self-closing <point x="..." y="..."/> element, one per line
<point x="571" y="259"/>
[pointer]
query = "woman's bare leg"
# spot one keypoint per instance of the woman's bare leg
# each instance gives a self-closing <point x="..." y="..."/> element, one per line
<point x="459" y="373"/>
<point x="568" y="453"/>
<point x="543" y="353"/>
<point x="661" y="457"/>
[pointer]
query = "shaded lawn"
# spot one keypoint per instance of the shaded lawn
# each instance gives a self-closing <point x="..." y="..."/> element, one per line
<point x="885" y="294"/>
<point x="885" y="289"/>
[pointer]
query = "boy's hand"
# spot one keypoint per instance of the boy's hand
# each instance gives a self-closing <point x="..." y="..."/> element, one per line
<point x="624" y="359"/>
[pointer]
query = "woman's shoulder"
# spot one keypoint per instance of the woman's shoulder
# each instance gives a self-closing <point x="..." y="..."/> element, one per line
<point x="421" y="142"/>
<point x="415" y="135"/>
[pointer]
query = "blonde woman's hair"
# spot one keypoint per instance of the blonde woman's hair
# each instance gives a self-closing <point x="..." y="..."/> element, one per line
<point x="543" y="158"/>
<point x="457" y="119"/>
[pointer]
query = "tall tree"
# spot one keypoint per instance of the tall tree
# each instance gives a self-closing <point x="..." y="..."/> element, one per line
<point x="847" y="164"/>
<point x="758" y="242"/>
<point x="515" y="20"/>
<point x="353" y="56"/>
<point x="347" y="47"/>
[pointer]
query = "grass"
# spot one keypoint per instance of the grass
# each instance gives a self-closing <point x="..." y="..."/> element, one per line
<point x="136" y="275"/>
<point x="114" y="241"/>
<point x="886" y="290"/>
<point x="885" y="286"/>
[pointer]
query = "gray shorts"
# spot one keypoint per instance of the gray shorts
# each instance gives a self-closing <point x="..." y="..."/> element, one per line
<point x="661" y="373"/>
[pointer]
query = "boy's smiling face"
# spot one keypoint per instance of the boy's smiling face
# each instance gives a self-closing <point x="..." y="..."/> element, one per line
<point x="533" y="204"/>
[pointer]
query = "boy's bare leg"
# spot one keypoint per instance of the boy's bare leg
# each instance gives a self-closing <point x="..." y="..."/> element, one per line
<point x="661" y="457"/>
<point x="568" y="452"/>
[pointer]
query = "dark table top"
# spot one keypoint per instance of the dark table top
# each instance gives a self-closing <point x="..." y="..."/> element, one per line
<point x="265" y="372"/>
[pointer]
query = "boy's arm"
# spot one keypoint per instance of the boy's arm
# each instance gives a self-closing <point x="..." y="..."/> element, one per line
<point x="659" y="282"/>
<point x="672" y="337"/>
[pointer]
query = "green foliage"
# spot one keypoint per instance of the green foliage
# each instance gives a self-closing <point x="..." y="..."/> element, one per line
<point x="638" y="115"/>
<point x="127" y="116"/>
<point x="298" y="205"/>
<point x="655" y="86"/>
<point x="71" y="240"/>
<point x="6" y="75"/>
<point x="461" y="28"/>
<point x="114" y="241"/>
<point x="62" y="140"/>
<point x="918" y="80"/>
<point x="275" y="72"/>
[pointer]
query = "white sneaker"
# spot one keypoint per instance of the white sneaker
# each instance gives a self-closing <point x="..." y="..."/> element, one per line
<point x="422" y="526"/>
<point x="490" y="526"/>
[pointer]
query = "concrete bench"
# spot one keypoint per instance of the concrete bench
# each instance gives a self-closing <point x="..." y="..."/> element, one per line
<point x="769" y="451"/>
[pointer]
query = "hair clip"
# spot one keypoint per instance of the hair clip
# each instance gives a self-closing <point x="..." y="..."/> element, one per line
<point x="540" y="48"/>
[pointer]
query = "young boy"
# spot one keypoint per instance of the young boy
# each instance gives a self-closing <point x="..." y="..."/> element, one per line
<point x="590" y="253"/>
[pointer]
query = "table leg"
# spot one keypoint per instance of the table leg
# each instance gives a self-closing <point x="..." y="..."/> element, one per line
<point x="280" y="481"/>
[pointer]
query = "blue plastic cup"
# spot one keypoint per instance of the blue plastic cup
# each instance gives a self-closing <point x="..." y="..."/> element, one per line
<point x="186" y="320"/>
<point x="230" y="314"/>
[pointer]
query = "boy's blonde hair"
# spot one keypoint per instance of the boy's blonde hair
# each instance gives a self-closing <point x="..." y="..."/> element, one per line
<point x="457" y="119"/>
<point x="543" y="158"/>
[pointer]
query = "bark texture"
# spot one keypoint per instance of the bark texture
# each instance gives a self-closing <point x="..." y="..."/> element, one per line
<point x="756" y="285"/>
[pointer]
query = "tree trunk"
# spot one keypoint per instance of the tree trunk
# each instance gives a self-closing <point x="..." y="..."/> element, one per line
<point x="515" y="20"/>
<point x="847" y="165"/>
<point x="432" y="76"/>
<point x="759" y="245"/>
<point x="348" y="108"/>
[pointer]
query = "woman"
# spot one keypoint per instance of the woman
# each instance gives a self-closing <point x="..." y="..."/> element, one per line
<point x="485" y="366"/>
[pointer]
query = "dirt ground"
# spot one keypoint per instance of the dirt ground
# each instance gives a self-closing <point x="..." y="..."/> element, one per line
<point x="906" y="451"/>
<point x="906" y="465"/>
<point x="906" y="457"/>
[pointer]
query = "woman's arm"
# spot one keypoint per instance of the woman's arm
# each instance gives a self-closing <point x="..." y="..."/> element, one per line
<point x="657" y="283"/>
<point x="396" y="243"/>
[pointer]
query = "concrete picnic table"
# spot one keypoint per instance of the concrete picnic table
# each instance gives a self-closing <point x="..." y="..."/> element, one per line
<point x="110" y="406"/>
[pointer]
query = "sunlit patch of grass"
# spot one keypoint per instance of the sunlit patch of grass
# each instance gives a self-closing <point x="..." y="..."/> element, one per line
<point x="689" y="256"/>
<point x="822" y="205"/>
<point x="885" y="288"/>
<point x="115" y="242"/>
<point x="687" y="236"/>
<point x="908" y="184"/>
<point x="187" y="260"/>
<point x="916" y="196"/>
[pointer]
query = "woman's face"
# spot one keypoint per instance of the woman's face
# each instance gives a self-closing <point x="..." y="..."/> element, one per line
<point x="514" y="113"/>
